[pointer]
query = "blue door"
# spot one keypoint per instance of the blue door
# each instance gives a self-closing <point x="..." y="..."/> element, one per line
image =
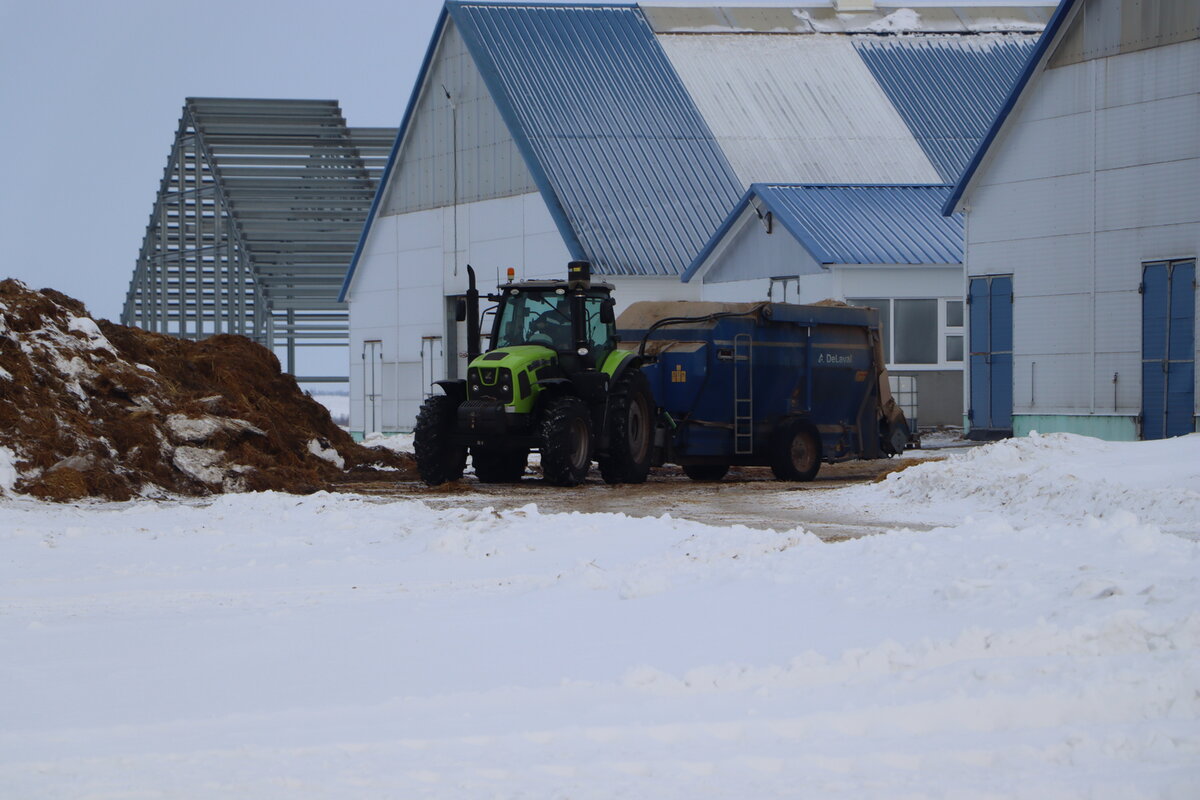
<point x="990" y="300"/>
<point x="1168" y="348"/>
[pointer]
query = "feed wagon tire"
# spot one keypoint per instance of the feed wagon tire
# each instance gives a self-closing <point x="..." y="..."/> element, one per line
<point x="631" y="430"/>
<point x="797" y="455"/>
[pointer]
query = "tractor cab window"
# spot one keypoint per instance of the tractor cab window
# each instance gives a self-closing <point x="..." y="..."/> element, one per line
<point x="545" y="319"/>
<point x="535" y="318"/>
<point x="600" y="333"/>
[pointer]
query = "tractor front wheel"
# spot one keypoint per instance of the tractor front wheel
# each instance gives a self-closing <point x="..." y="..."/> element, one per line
<point x="498" y="465"/>
<point x="797" y="454"/>
<point x="566" y="442"/>
<point x="630" y="431"/>
<point x="438" y="461"/>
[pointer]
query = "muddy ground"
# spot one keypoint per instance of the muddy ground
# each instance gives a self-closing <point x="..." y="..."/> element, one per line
<point x="748" y="496"/>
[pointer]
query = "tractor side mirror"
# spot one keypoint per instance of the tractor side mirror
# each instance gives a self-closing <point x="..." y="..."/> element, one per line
<point x="460" y="310"/>
<point x="607" y="316"/>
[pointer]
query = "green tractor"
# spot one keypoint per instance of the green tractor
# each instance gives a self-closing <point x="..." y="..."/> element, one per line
<point x="554" y="381"/>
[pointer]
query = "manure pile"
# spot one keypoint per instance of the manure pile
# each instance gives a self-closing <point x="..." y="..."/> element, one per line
<point x="93" y="409"/>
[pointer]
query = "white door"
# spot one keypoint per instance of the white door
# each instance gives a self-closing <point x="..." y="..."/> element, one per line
<point x="372" y="387"/>
<point x="433" y="360"/>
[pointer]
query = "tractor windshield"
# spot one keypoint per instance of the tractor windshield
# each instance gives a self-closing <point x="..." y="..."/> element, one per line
<point x="544" y="318"/>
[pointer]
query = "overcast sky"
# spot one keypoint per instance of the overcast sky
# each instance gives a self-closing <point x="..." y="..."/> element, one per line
<point x="91" y="93"/>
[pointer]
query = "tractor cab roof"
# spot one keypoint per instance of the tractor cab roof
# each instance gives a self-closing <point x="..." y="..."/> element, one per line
<point x="550" y="286"/>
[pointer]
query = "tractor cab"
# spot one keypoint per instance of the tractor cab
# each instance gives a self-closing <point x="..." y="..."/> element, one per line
<point x="578" y="325"/>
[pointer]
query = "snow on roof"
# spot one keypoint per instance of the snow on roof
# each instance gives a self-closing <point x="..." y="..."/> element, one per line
<point x="802" y="111"/>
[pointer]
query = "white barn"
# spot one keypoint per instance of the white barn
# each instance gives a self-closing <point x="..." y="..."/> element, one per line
<point x="1082" y="217"/>
<point x="623" y="135"/>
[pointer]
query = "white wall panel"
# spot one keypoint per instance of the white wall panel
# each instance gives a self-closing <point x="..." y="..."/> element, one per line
<point x="633" y="288"/>
<point x="371" y="311"/>
<point x="1057" y="92"/>
<point x="1031" y="209"/>
<point x="376" y="272"/>
<point x="381" y="240"/>
<point x="1119" y="322"/>
<point x="1055" y="324"/>
<point x="1145" y="196"/>
<point x="1151" y="74"/>
<point x="1148" y="133"/>
<point x="1046" y="383"/>
<point x="749" y="252"/>
<point x="1127" y="388"/>
<point x="900" y="281"/>
<point x="1043" y="148"/>
<point x="751" y="291"/>
<point x="418" y="230"/>
<point x="1040" y="262"/>
<point x="815" y="288"/>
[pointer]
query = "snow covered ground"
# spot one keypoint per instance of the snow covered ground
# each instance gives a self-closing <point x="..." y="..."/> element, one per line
<point x="1043" y="643"/>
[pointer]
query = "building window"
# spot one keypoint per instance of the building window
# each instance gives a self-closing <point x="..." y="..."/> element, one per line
<point x="954" y="331"/>
<point x="919" y="331"/>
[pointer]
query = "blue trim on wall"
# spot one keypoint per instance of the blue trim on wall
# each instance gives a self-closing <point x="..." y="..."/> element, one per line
<point x="387" y="172"/>
<point x="1035" y="58"/>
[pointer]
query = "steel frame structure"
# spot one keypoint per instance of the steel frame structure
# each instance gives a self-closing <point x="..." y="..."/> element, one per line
<point x="257" y="217"/>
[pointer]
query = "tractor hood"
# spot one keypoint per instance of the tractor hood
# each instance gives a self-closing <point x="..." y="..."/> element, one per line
<point x="515" y="357"/>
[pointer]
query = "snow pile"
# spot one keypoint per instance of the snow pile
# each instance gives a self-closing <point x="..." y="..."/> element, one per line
<point x="900" y="20"/>
<point x="328" y="646"/>
<point x="1057" y="475"/>
<point x="96" y="409"/>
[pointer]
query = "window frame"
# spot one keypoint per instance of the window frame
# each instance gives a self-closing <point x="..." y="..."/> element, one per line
<point x="944" y="331"/>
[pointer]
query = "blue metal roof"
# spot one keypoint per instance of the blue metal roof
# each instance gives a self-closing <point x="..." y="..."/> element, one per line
<point x="856" y="224"/>
<point x="947" y="89"/>
<point x="614" y="141"/>
<point x="1035" y="58"/>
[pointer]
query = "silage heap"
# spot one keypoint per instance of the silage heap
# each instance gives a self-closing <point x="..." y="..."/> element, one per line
<point x="91" y="408"/>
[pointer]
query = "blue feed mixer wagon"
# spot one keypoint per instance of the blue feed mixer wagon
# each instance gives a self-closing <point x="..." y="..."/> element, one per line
<point x="765" y="384"/>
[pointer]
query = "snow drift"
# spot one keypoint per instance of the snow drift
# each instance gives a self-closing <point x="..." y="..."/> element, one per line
<point x="268" y="645"/>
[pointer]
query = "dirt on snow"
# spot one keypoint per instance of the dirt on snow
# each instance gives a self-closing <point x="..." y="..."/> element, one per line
<point x="93" y="409"/>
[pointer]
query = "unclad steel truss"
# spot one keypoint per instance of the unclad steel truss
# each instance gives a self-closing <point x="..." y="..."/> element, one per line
<point x="258" y="215"/>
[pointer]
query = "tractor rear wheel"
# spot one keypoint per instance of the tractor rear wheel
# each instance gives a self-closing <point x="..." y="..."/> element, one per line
<point x="631" y="430"/>
<point x="498" y="465"/>
<point x="705" y="472"/>
<point x="797" y="455"/>
<point x="438" y="460"/>
<point x="566" y="442"/>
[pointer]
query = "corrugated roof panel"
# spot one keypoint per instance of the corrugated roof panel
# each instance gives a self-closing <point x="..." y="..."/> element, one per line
<point x="803" y="108"/>
<point x="868" y="224"/>
<point x="948" y="89"/>
<point x="611" y="136"/>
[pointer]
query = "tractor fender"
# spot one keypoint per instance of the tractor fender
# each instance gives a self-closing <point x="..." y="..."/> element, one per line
<point x="626" y="365"/>
<point x="456" y="390"/>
